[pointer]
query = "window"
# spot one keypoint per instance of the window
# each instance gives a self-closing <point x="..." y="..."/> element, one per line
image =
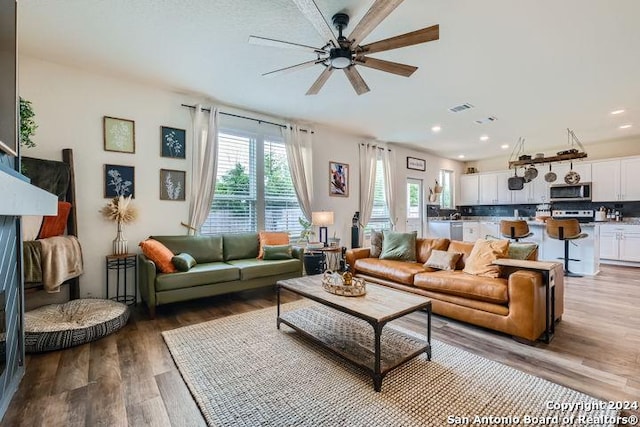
<point x="446" y="181"/>
<point x="243" y="202"/>
<point x="380" y="214"/>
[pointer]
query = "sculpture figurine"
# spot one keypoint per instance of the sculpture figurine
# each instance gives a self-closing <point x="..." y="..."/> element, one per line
<point x="347" y="278"/>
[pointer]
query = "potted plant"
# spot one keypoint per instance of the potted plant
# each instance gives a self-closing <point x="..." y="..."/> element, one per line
<point x="307" y="233"/>
<point x="28" y="124"/>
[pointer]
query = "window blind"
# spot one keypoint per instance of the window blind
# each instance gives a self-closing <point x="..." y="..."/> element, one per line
<point x="234" y="202"/>
<point x="380" y="213"/>
<point x="446" y="181"/>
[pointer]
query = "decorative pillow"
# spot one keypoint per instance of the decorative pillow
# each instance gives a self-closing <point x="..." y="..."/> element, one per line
<point x="55" y="225"/>
<point x="464" y="248"/>
<point x="425" y="246"/>
<point x="274" y="252"/>
<point x="376" y="243"/>
<point x="159" y="254"/>
<point x="31" y="227"/>
<point x="523" y="250"/>
<point x="443" y="260"/>
<point x="398" y="246"/>
<point x="484" y="252"/>
<point x="271" y="238"/>
<point x="183" y="261"/>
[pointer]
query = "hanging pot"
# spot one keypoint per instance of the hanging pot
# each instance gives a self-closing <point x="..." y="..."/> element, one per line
<point x="572" y="177"/>
<point x="531" y="173"/>
<point x="515" y="182"/>
<point x="550" y="176"/>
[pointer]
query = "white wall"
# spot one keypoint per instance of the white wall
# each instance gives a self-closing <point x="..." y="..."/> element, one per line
<point x="70" y="103"/>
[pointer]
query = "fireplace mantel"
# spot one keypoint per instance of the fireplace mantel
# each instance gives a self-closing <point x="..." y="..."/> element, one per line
<point x="18" y="197"/>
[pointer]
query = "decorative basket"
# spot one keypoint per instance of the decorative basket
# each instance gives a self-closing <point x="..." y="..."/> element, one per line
<point x="333" y="283"/>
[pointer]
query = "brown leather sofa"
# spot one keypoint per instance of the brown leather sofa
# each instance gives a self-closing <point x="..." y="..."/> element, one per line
<point x="514" y="303"/>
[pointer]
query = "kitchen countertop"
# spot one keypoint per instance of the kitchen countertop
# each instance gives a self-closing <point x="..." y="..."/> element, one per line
<point x="531" y="221"/>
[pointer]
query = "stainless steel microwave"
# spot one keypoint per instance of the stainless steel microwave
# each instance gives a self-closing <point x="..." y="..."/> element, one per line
<point x="570" y="192"/>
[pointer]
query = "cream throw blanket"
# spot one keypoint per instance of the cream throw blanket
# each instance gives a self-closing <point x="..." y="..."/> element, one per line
<point x="61" y="260"/>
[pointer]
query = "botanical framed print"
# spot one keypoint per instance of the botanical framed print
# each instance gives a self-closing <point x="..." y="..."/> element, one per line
<point x="119" y="181"/>
<point x="119" y="135"/>
<point x="416" y="164"/>
<point x="338" y="179"/>
<point x="173" y="142"/>
<point x="172" y="184"/>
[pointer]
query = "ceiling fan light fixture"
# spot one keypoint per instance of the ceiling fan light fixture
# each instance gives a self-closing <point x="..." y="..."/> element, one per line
<point x="340" y="58"/>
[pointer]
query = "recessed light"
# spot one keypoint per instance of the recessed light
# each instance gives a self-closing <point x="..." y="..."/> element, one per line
<point x="504" y="146"/>
<point x="436" y="129"/>
<point x="625" y="126"/>
<point x="461" y="156"/>
<point x="484" y="138"/>
<point x="617" y="112"/>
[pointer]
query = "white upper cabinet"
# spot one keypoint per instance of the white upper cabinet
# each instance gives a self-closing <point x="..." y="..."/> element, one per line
<point x="469" y="192"/>
<point x="583" y="169"/>
<point x="615" y="180"/>
<point x="494" y="188"/>
<point x="503" y="193"/>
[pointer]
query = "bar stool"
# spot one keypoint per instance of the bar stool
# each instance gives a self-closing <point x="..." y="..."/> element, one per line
<point x="565" y="230"/>
<point x="514" y="230"/>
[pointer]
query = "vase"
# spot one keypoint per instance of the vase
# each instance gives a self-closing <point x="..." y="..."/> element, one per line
<point x="119" y="243"/>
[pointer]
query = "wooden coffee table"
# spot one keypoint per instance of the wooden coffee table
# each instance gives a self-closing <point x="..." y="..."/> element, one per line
<point x="342" y="335"/>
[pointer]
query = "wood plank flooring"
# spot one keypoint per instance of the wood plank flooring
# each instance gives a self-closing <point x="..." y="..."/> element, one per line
<point x="129" y="378"/>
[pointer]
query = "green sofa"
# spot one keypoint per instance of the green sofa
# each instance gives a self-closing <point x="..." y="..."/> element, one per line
<point x="226" y="263"/>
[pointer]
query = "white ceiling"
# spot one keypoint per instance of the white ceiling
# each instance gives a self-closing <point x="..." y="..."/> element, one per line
<point x="539" y="66"/>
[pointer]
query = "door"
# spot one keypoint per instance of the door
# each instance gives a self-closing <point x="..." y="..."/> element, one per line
<point x="630" y="246"/>
<point x="470" y="231"/>
<point x="609" y="242"/>
<point x="414" y="206"/>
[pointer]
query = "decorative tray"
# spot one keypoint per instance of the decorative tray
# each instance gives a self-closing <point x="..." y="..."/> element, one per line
<point x="335" y="283"/>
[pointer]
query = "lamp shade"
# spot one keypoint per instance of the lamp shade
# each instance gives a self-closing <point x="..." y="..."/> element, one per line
<point x="322" y="219"/>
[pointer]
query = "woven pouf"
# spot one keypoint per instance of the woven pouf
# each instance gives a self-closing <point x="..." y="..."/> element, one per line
<point x="57" y="326"/>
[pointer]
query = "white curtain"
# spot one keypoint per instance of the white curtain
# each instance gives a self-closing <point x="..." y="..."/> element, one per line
<point x="204" y="167"/>
<point x="388" y="165"/>
<point x="368" y="163"/>
<point x="298" y="146"/>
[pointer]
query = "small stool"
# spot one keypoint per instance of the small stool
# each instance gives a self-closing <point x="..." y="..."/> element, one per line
<point x="565" y="230"/>
<point x="514" y="230"/>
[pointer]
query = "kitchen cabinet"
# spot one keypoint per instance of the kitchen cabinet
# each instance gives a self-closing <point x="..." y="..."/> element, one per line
<point x="489" y="228"/>
<point x="493" y="188"/>
<point x="536" y="191"/>
<point x="562" y="169"/>
<point x="469" y="192"/>
<point x="616" y="180"/>
<point x="620" y="242"/>
<point x="470" y="231"/>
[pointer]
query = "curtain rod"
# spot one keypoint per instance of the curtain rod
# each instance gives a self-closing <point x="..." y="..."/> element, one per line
<point x="244" y="117"/>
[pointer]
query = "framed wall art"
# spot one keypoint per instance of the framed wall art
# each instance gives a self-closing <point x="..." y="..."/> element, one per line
<point x="172" y="184"/>
<point x="173" y="142"/>
<point x="119" y="135"/>
<point x="119" y="181"/>
<point x="416" y="164"/>
<point x="338" y="179"/>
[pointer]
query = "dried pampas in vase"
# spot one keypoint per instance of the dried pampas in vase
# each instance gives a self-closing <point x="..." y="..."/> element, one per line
<point x="121" y="210"/>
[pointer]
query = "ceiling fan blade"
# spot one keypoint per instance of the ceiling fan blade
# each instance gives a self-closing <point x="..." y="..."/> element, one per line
<point x="388" y="66"/>
<point x="374" y="16"/>
<point x="264" y="41"/>
<point x="310" y="10"/>
<point x="322" y="79"/>
<point x="409" y="39"/>
<point x="356" y="80"/>
<point x="296" y="67"/>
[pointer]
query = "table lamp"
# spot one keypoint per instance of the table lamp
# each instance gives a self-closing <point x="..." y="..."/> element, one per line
<point x="322" y="219"/>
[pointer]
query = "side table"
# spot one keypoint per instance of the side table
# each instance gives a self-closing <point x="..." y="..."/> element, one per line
<point x="333" y="256"/>
<point x="122" y="264"/>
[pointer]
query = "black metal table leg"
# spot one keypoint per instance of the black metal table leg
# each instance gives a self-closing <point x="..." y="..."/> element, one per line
<point x="278" y="306"/>
<point x="377" y="376"/>
<point x="429" y="332"/>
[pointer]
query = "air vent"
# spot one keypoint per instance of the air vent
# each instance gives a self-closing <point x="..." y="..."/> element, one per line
<point x="461" y="107"/>
<point x="486" y="120"/>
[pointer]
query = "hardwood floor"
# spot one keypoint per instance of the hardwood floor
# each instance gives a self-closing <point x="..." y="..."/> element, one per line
<point x="129" y="378"/>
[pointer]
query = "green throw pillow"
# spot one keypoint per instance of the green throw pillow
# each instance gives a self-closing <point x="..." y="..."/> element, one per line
<point x="183" y="261"/>
<point x="523" y="250"/>
<point x="273" y="252"/>
<point x="398" y="246"/>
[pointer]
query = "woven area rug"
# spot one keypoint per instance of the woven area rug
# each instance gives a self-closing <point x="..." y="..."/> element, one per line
<point x="242" y="371"/>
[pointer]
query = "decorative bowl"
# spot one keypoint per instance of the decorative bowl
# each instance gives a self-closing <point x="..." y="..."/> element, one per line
<point x="333" y="283"/>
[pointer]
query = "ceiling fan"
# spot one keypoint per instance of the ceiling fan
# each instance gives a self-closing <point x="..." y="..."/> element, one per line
<point x="344" y="53"/>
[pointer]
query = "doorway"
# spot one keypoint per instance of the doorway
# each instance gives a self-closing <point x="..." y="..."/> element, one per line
<point x="414" y="206"/>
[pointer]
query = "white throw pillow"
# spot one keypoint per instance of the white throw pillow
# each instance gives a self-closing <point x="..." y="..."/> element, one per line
<point x="31" y="227"/>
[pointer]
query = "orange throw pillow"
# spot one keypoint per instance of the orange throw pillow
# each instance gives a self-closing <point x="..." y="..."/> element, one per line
<point x="271" y="238"/>
<point x="159" y="254"/>
<point x="55" y="225"/>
